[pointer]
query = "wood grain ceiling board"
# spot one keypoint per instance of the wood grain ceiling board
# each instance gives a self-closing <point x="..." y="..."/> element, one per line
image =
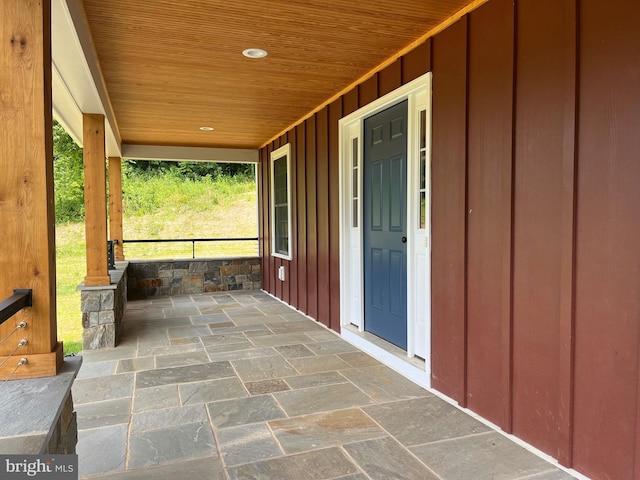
<point x="173" y="66"/>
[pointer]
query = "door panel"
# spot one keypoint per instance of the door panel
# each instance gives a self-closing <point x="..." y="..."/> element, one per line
<point x="397" y="276"/>
<point x="376" y="196"/>
<point x="385" y="224"/>
<point x="398" y="195"/>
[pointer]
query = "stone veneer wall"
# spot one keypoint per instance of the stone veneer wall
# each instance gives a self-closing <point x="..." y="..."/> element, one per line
<point x="155" y="278"/>
<point x="64" y="434"/>
<point x="102" y="310"/>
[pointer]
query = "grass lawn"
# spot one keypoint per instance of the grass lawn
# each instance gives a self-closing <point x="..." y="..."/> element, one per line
<point x="225" y="213"/>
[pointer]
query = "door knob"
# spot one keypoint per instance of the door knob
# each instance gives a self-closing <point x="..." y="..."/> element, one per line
<point x="404" y="239"/>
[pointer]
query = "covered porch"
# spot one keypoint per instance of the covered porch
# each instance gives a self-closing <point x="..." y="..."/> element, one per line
<point x="516" y="273"/>
<point x="238" y="385"/>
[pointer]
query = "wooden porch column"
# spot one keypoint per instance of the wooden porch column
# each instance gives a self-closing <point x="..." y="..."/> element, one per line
<point x="26" y="187"/>
<point x="95" y="199"/>
<point x="115" y="205"/>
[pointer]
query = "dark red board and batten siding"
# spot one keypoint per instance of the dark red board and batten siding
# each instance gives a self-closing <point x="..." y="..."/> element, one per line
<point x="535" y="221"/>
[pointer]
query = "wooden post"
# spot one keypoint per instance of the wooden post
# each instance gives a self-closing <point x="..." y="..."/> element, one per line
<point x="26" y="187"/>
<point x="95" y="200"/>
<point x="115" y="205"/>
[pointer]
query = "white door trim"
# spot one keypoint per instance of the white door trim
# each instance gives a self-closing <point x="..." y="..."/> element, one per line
<point x="418" y="95"/>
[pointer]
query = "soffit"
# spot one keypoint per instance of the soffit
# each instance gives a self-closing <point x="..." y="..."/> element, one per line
<point x="170" y="67"/>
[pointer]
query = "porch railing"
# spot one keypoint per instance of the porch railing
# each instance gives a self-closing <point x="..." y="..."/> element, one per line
<point x="194" y="240"/>
<point x="8" y="308"/>
<point x="12" y="305"/>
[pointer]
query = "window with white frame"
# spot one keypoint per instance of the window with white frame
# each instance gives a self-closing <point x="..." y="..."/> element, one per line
<point x="281" y="202"/>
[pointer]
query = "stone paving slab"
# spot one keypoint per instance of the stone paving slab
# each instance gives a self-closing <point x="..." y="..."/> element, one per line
<point x="321" y="335"/>
<point x="102" y="388"/>
<point x="239" y="386"/>
<point x="191" y="373"/>
<point x="383" y="384"/>
<point x="554" y="474"/>
<point x="250" y="333"/>
<point x="98" y="369"/>
<point x="318" y="364"/>
<point x="482" y="457"/>
<point x="156" y="398"/>
<point x="211" y="391"/>
<point x="181" y="311"/>
<point x="385" y="459"/>
<point x="223" y="338"/>
<point x="233" y="413"/>
<point x="331" y="347"/>
<point x="135" y="364"/>
<point x="106" y="354"/>
<point x="315" y="380"/>
<point x="102" y="450"/>
<point x="267" y="386"/>
<point x="298" y="325"/>
<point x="192" y="331"/>
<point x="277" y="340"/>
<point x="246" y="444"/>
<point x="102" y="414"/>
<point x="322" y="430"/>
<point x="359" y="359"/>
<point x="230" y="327"/>
<point x="295" y="351"/>
<point x="318" y="465"/>
<point x="181" y="359"/>
<point x="253" y="319"/>
<point x="170" y="349"/>
<point x="232" y="347"/>
<point x="184" y="341"/>
<point x="166" y="445"/>
<point x="168" y="417"/>
<point x="209" y="468"/>
<point x="321" y="399"/>
<point x="243" y="353"/>
<point x="424" y="420"/>
<point x="212" y="318"/>
<point x="166" y="322"/>
<point x="253" y="369"/>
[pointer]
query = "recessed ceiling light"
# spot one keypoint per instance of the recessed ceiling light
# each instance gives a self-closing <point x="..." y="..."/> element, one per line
<point x="206" y="129"/>
<point x="254" y="53"/>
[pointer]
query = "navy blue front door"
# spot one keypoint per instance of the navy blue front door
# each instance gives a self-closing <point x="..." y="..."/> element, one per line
<point x="385" y="224"/>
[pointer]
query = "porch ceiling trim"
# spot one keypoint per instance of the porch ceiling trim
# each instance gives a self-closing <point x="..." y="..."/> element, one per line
<point x="77" y="82"/>
<point x="191" y="154"/>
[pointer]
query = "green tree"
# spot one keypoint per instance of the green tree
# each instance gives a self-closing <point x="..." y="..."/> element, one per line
<point x="68" y="175"/>
<point x="69" y="178"/>
<point x="190" y="170"/>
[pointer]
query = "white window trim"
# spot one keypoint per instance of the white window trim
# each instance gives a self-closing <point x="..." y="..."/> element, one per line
<point x="284" y="151"/>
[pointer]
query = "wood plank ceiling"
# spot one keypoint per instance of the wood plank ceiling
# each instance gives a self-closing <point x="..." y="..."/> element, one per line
<point x="171" y="66"/>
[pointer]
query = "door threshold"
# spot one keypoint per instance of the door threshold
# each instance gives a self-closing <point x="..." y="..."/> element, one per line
<point x="394" y="357"/>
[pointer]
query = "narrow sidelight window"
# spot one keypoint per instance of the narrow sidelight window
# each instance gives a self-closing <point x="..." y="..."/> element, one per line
<point x="354" y="186"/>
<point x="422" y="187"/>
<point x="281" y="202"/>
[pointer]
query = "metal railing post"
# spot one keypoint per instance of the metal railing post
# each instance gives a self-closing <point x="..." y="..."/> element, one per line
<point x="111" y="262"/>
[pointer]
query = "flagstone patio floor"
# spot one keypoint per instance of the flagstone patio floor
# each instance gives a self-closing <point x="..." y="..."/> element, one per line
<point x="240" y="386"/>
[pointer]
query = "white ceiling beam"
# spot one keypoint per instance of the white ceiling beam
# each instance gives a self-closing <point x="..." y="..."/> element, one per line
<point x="190" y="154"/>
